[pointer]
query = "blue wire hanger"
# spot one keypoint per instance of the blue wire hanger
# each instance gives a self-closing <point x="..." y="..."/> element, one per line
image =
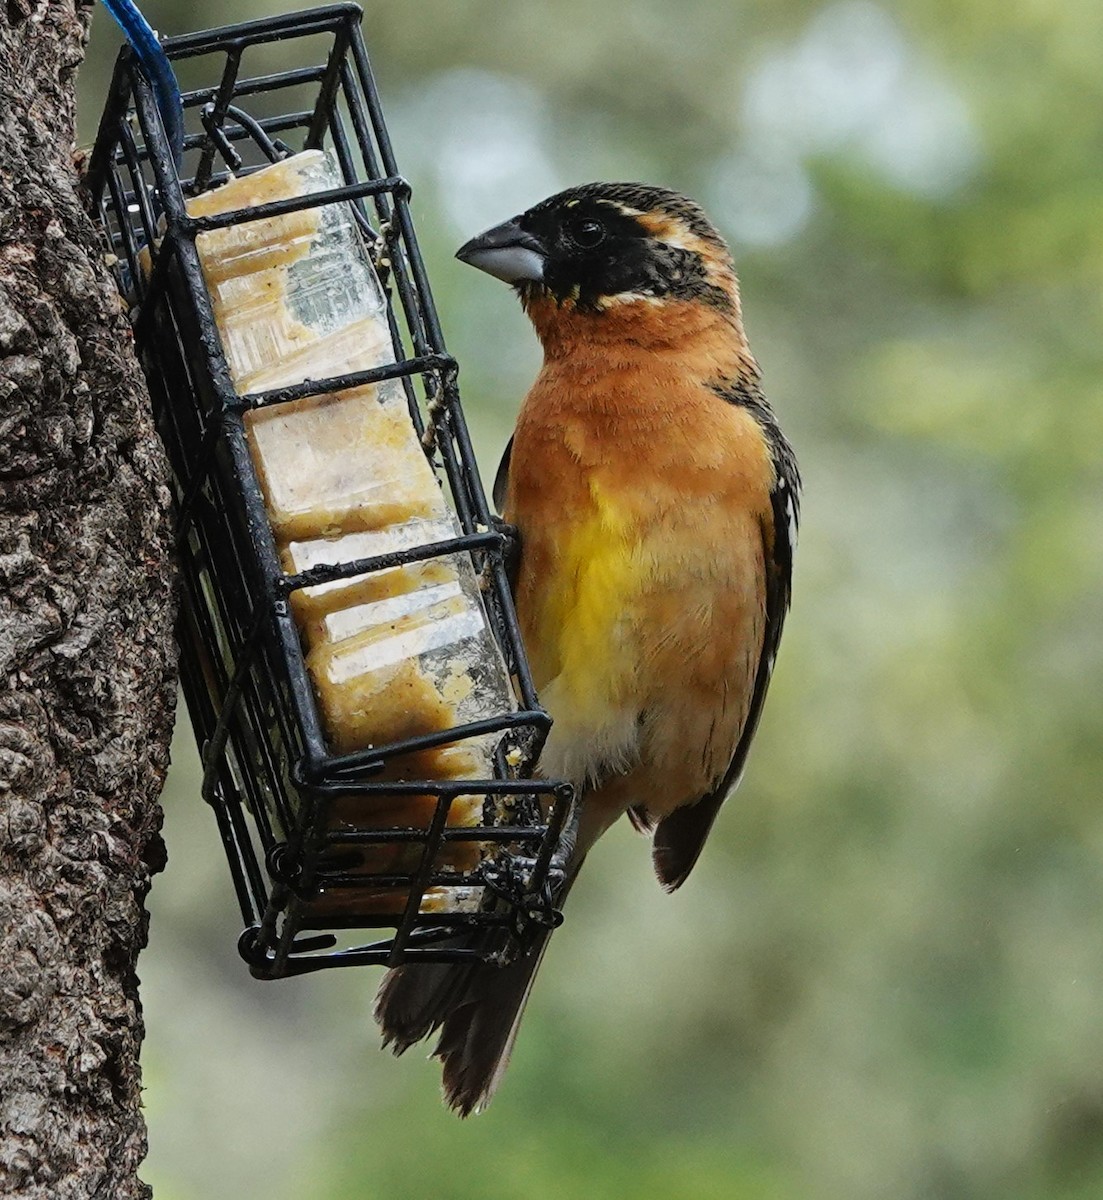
<point x="157" y="68"/>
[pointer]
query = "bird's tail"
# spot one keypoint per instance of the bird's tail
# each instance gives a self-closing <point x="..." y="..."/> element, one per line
<point x="476" y="1006"/>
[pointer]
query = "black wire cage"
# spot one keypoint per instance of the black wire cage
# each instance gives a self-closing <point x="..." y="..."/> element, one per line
<point x="314" y="856"/>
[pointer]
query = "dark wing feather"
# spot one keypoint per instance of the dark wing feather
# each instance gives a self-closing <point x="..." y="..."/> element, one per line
<point x="513" y="544"/>
<point x="642" y="820"/>
<point x="679" y="837"/>
<point x="501" y="478"/>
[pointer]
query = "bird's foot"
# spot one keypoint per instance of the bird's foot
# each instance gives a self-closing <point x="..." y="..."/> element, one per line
<point x="511" y="543"/>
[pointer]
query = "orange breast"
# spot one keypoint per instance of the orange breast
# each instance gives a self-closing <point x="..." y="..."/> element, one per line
<point x="640" y="496"/>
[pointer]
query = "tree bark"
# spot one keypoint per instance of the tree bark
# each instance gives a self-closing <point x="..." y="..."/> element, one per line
<point x="86" y="643"/>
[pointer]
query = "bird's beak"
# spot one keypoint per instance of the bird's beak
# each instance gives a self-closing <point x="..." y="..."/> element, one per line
<point x="507" y="252"/>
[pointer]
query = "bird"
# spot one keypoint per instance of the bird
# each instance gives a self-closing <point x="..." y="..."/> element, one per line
<point x="656" y="502"/>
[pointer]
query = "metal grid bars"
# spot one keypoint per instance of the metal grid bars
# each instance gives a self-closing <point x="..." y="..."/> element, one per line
<point x="304" y="878"/>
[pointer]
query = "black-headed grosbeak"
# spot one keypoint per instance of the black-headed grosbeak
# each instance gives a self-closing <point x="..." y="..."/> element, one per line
<point x="656" y="500"/>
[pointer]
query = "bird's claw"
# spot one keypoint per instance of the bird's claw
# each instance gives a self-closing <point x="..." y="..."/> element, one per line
<point x="511" y="542"/>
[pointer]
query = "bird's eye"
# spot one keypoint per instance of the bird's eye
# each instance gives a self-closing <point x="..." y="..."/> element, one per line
<point x="588" y="234"/>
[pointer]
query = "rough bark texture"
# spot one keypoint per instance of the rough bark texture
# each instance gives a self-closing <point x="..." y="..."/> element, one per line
<point x="85" y="643"/>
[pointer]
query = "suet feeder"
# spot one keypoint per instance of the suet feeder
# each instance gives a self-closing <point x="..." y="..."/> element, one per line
<point x="349" y="650"/>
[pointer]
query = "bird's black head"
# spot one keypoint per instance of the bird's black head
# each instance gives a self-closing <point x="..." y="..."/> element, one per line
<point x="603" y="244"/>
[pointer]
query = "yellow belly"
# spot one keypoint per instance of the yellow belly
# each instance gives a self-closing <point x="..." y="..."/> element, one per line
<point x="644" y="639"/>
<point x="580" y="623"/>
<point x="576" y="627"/>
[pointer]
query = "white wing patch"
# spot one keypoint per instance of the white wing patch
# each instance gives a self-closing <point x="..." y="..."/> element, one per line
<point x="792" y="513"/>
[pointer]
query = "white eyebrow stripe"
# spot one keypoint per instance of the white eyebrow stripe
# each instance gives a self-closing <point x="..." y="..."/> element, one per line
<point x="624" y="209"/>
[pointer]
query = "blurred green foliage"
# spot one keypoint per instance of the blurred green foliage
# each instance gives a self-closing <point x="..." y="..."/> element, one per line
<point x="885" y="978"/>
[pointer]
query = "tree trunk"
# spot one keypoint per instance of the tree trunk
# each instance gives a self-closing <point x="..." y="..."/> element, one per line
<point x="86" y="642"/>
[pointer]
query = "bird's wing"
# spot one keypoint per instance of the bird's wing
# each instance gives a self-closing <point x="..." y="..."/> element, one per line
<point x="680" y="836"/>
<point x="501" y="478"/>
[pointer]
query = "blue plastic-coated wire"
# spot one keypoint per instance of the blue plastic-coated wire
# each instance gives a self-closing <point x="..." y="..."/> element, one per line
<point x="157" y="68"/>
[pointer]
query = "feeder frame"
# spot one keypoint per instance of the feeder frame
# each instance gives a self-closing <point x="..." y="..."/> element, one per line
<point x="267" y="771"/>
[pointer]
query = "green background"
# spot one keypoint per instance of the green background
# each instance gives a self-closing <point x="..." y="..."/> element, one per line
<point x="885" y="977"/>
